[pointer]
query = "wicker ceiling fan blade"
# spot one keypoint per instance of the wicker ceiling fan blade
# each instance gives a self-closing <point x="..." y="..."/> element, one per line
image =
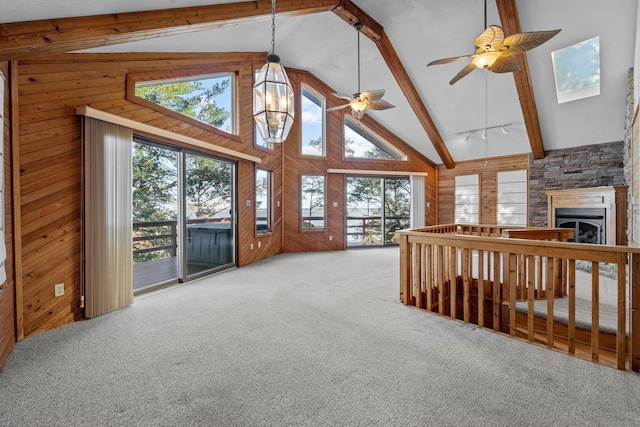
<point x="466" y="70"/>
<point x="505" y="64"/>
<point x="492" y="36"/>
<point x="338" y="107"/>
<point x="522" y="42"/>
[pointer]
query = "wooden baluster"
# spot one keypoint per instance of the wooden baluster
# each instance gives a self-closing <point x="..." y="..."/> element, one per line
<point x="621" y="335"/>
<point x="540" y="280"/>
<point x="595" y="311"/>
<point x="531" y="263"/>
<point x="550" y="296"/>
<point x="571" y="333"/>
<point x="466" y="279"/>
<point x="512" y="285"/>
<point x="634" y="316"/>
<point x="440" y="284"/>
<point x="497" y="303"/>
<point x="405" y="269"/>
<point x="429" y="274"/>
<point x="453" y="279"/>
<point x="481" y="289"/>
<point x="522" y="277"/>
<point x="417" y="273"/>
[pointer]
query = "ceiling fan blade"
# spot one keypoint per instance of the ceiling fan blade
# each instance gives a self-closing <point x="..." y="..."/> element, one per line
<point x="492" y="36"/>
<point x="522" y="42"/>
<point x="380" y="104"/>
<point x="505" y="64"/>
<point x="343" y="96"/>
<point x="338" y="107"/>
<point x="371" y="95"/>
<point x="466" y="70"/>
<point x="448" y="60"/>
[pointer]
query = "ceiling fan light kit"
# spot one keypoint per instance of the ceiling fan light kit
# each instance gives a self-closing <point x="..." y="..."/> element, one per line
<point x="273" y="97"/>
<point x="362" y="100"/>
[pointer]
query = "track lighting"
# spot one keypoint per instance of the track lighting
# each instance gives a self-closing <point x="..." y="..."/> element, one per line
<point x="467" y="133"/>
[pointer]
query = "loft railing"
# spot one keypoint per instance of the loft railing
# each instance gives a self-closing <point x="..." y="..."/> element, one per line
<point x="478" y="274"/>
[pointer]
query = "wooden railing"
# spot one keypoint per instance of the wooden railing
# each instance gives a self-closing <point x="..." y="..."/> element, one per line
<point x="145" y="241"/>
<point x="370" y="229"/>
<point x="478" y="274"/>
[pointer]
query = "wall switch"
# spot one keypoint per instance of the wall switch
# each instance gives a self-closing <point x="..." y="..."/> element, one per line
<point x="330" y="237"/>
<point x="335" y="204"/>
<point x="259" y="244"/>
<point x="428" y="204"/>
<point x="278" y="203"/>
<point x="251" y="246"/>
<point x="58" y="290"/>
<point x="248" y="203"/>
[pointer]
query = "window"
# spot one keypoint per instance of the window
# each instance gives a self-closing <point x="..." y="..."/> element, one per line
<point x="312" y="123"/>
<point x="577" y="70"/>
<point x="467" y="199"/>
<point x="362" y="143"/>
<point x="263" y="201"/>
<point x="208" y="99"/>
<point x="260" y="142"/>
<point x="313" y="202"/>
<point x="512" y="198"/>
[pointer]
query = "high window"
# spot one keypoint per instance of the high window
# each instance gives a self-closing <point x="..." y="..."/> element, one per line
<point x="263" y="201"/>
<point x="362" y="143"/>
<point x="467" y="199"/>
<point x="208" y="99"/>
<point x="312" y="197"/>
<point x="312" y="123"/>
<point x="512" y="198"/>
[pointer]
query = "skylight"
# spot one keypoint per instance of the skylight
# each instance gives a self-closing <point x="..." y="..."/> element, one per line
<point x="577" y="70"/>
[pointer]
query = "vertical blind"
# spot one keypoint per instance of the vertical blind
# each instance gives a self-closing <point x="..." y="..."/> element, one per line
<point x="108" y="225"/>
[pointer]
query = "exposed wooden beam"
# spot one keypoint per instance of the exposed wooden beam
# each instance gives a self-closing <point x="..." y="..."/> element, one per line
<point x="348" y="11"/>
<point x="26" y="39"/>
<point x="511" y="25"/>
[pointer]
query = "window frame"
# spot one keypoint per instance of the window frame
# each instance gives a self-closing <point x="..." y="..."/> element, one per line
<point x="478" y="194"/>
<point x="174" y="76"/>
<point x="269" y="198"/>
<point x="324" y="204"/>
<point x="373" y="138"/>
<point x="323" y="102"/>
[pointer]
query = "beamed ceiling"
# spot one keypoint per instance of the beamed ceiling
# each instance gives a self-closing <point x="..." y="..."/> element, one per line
<point x="402" y="36"/>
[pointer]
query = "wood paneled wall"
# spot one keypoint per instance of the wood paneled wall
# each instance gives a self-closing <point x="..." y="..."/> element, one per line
<point x="50" y="162"/>
<point x="296" y="165"/>
<point x="7" y="290"/>
<point x="50" y="89"/>
<point x="488" y="185"/>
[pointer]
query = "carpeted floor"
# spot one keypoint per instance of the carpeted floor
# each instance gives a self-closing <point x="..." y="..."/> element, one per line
<point x="313" y="339"/>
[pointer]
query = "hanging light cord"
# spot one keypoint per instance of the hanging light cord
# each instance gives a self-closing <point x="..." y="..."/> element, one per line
<point x="358" y="28"/>
<point x="486" y="116"/>
<point x="273" y="27"/>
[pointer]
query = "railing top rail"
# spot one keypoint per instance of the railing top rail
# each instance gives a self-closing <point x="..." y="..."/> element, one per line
<point x="580" y="251"/>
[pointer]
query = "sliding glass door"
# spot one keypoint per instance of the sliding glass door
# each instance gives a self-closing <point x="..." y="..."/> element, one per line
<point x="208" y="213"/>
<point x="376" y="208"/>
<point x="183" y="215"/>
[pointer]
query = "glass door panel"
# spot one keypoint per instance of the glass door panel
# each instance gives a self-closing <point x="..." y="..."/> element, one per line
<point x="208" y="193"/>
<point x="364" y="211"/>
<point x="155" y="216"/>
<point x="397" y="208"/>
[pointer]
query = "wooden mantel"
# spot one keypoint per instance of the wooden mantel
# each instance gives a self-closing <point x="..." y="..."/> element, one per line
<point x="612" y="198"/>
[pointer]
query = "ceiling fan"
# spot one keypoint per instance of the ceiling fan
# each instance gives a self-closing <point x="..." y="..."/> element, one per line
<point x="495" y="52"/>
<point x="362" y="100"/>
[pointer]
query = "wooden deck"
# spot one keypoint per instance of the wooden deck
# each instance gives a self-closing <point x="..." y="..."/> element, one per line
<point x="162" y="271"/>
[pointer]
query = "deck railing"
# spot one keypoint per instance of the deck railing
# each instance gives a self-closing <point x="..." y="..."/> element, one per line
<point x="478" y="274"/>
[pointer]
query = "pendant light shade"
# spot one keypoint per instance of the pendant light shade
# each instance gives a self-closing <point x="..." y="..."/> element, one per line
<point x="273" y="106"/>
<point x="273" y="99"/>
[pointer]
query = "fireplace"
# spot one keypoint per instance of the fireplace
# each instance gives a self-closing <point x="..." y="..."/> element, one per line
<point x="588" y="223"/>
<point x="598" y="214"/>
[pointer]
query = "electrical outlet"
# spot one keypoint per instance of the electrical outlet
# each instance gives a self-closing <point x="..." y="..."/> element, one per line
<point x="58" y="290"/>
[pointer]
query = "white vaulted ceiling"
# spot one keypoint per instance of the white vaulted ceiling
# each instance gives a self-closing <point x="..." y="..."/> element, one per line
<point x="420" y="31"/>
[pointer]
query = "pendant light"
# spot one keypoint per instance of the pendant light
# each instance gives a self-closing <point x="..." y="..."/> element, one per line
<point x="273" y="95"/>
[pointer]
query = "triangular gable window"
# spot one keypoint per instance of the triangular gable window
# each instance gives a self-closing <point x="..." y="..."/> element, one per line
<point x="209" y="99"/>
<point x="361" y="143"/>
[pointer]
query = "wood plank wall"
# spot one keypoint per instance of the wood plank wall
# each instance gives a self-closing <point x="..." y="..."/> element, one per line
<point x="296" y="165"/>
<point x="7" y="291"/>
<point x="488" y="185"/>
<point x="51" y="88"/>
